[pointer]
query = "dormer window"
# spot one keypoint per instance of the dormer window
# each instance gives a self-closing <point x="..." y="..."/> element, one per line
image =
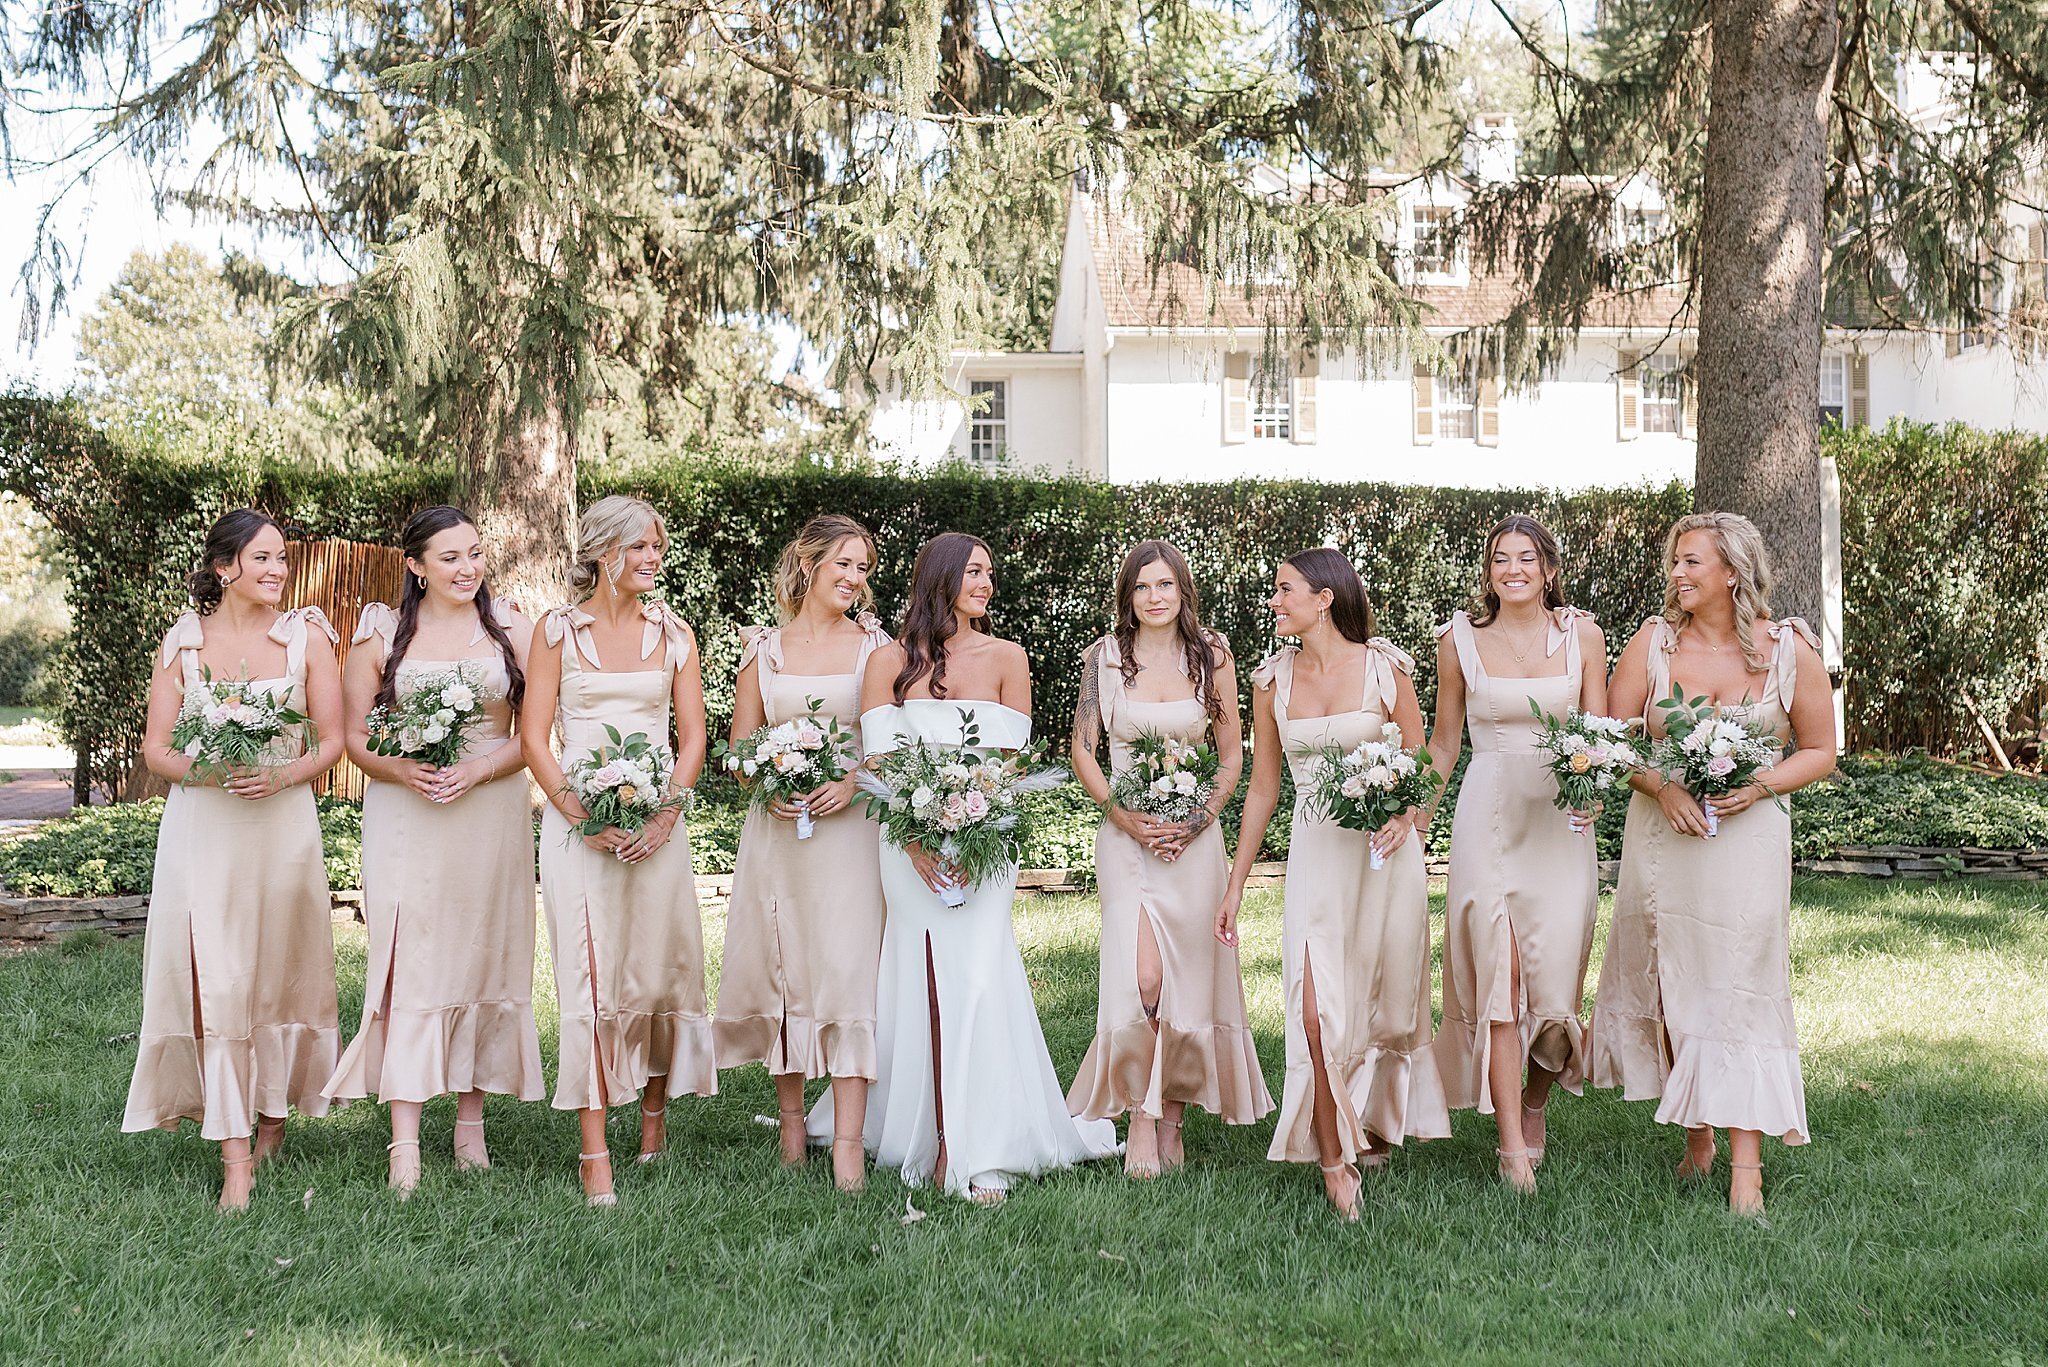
<point x="1430" y="249"/>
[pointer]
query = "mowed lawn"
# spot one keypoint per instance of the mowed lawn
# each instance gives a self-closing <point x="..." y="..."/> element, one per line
<point x="1914" y="1228"/>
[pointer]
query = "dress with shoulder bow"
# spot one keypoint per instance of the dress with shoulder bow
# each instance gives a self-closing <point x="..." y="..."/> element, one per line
<point x="1364" y="935"/>
<point x="627" y="940"/>
<point x="803" y="929"/>
<point x="448" y="901"/>
<point x="1700" y="955"/>
<point x="238" y="1011"/>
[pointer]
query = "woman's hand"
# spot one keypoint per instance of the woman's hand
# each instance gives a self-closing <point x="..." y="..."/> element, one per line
<point x="1681" y="810"/>
<point x="1740" y="800"/>
<point x="458" y="779"/>
<point x="1582" y="819"/>
<point x="1148" y="831"/>
<point x="253" y="785"/>
<point x="828" y="798"/>
<point x="1226" y="916"/>
<point x="1391" y="836"/>
<point x="937" y="873"/>
<point x="636" y="847"/>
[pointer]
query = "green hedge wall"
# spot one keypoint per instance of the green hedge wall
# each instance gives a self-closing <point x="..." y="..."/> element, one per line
<point x="1939" y="602"/>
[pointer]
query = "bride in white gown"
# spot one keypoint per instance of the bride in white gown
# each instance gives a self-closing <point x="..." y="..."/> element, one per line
<point x="966" y="1087"/>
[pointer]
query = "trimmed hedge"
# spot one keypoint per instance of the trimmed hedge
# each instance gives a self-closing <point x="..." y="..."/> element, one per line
<point x="1939" y="604"/>
<point x="110" y="851"/>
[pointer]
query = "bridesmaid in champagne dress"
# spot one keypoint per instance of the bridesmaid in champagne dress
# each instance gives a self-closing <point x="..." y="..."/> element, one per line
<point x="1524" y="885"/>
<point x="1695" y="999"/>
<point x="623" y="925"/>
<point x="447" y="858"/>
<point x="1361" y="1074"/>
<point x="966" y="1094"/>
<point x="803" y="930"/>
<point x="238" y="1013"/>
<point x="1170" y="1024"/>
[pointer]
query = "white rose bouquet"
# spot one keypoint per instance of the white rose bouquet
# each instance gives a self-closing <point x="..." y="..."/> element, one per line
<point x="625" y="783"/>
<point x="1709" y="753"/>
<point x="1169" y="778"/>
<point x="963" y="808"/>
<point x="791" y="760"/>
<point x="1365" y="787"/>
<point x="433" y="718"/>
<point x="226" y="726"/>
<point x="1588" y="755"/>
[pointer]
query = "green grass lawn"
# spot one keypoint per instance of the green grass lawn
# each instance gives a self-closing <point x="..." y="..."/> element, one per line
<point x="1912" y="1229"/>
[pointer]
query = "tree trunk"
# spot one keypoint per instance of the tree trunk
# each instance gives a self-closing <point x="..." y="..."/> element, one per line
<point x="527" y="510"/>
<point x="1762" y="248"/>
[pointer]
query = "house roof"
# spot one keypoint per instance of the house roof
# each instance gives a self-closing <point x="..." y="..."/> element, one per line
<point x="1138" y="293"/>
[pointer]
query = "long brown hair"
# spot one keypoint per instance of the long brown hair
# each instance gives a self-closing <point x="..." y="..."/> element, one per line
<point x="420" y="529"/>
<point x="1350" y="608"/>
<point x="1198" y="656"/>
<point x="928" y="619"/>
<point x="1546" y="551"/>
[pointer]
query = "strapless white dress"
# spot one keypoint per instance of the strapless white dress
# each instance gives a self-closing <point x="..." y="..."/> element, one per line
<point x="1006" y="1114"/>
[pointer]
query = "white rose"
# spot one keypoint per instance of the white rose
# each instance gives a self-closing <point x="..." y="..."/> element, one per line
<point x="1379" y="776"/>
<point x="434" y="734"/>
<point x="1720" y="746"/>
<point x="923" y="797"/>
<point x="1185" y="782"/>
<point x="750" y="767"/>
<point x="460" y="697"/>
<point x="445" y="716"/>
<point x="1162" y="785"/>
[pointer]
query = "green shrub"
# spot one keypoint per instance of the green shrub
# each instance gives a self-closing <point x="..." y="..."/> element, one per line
<point x="1913" y="800"/>
<point x="29" y="672"/>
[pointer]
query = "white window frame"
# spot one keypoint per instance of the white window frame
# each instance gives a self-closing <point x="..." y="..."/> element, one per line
<point x="1457" y="403"/>
<point x="1272" y="399"/>
<point x="1647" y="254"/>
<point x="988" y="428"/>
<point x="1660" y="398"/>
<point x="1441" y="266"/>
<point x="1834" y="407"/>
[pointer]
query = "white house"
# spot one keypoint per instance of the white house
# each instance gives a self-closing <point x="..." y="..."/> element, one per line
<point x="1145" y="378"/>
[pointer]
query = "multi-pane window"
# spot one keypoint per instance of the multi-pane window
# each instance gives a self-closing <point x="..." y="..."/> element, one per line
<point x="1431" y="246"/>
<point x="1272" y="399"/>
<point x="1663" y="392"/>
<point x="1648" y="253"/>
<point x="1834" y="389"/>
<point x="1457" y="403"/>
<point x="988" y="425"/>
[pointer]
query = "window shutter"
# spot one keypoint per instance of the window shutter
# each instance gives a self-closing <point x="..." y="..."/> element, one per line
<point x="1689" y="397"/>
<point x="2033" y="276"/>
<point x="1859" y="389"/>
<point x="1304" y="414"/>
<point x="1424" y="431"/>
<point x="1487" y="424"/>
<point x="1237" y="397"/>
<point x="1627" y="393"/>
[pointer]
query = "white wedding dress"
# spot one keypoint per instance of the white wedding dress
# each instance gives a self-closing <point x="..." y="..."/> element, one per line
<point x="1006" y="1114"/>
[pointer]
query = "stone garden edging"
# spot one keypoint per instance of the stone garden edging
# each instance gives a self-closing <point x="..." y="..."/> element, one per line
<point x="40" y="919"/>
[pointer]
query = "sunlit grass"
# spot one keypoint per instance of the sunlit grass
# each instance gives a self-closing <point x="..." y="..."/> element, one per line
<point x="1910" y="1230"/>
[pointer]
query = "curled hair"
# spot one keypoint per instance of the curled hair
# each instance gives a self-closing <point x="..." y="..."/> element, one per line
<point x="612" y="522"/>
<point x="1350" y="608"/>
<point x="226" y="539"/>
<point x="1741" y="548"/>
<point x="1198" y="655"/>
<point x="929" y="620"/>
<point x="802" y="556"/>
<point x="1546" y="551"/>
<point x="420" y="530"/>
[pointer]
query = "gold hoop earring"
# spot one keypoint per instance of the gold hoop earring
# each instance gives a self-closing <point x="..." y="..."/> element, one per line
<point x="423" y="582"/>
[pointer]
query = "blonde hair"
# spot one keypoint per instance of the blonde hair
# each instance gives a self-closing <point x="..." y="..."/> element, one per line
<point x="610" y="523"/>
<point x="1741" y="548"/>
<point x="802" y="556"/>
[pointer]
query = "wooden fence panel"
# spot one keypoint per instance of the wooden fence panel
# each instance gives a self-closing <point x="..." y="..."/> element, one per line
<point x="339" y="577"/>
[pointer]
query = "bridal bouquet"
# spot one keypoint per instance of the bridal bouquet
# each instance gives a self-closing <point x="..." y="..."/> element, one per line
<point x="432" y="721"/>
<point x="963" y="808"/>
<point x="792" y="759"/>
<point x="624" y="783"/>
<point x="1587" y="755"/>
<point x="1365" y="787"/>
<point x="1169" y="778"/>
<point x="1708" y="753"/>
<point x="232" y="725"/>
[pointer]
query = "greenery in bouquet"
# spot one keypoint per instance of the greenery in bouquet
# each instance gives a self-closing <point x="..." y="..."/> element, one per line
<point x="433" y="718"/>
<point x="225" y="726"/>
<point x="624" y="783"/>
<point x="1168" y="778"/>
